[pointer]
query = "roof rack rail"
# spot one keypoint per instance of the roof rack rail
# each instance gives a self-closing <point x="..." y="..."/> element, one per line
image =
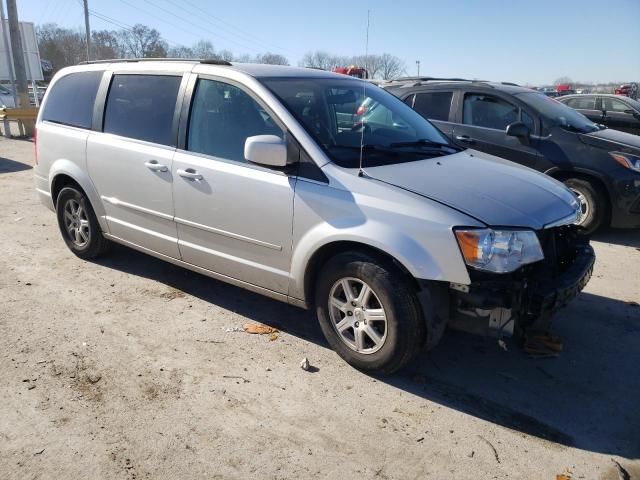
<point x="509" y="83"/>
<point x="429" y="79"/>
<point x="208" y="61"/>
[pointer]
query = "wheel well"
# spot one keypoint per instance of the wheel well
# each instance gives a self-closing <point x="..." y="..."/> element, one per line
<point x="563" y="175"/>
<point x="325" y="252"/>
<point x="61" y="181"/>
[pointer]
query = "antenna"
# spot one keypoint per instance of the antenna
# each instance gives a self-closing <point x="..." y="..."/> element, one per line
<point x="364" y="96"/>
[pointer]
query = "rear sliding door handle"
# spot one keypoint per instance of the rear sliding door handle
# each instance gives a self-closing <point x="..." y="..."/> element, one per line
<point x="189" y="173"/>
<point x="155" y="166"/>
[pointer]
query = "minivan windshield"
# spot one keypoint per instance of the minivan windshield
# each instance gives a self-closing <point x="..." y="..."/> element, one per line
<point x="344" y="114"/>
<point x="557" y="114"/>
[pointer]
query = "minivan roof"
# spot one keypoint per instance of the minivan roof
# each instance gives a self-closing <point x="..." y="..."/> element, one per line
<point x="252" y="69"/>
<point x="428" y="83"/>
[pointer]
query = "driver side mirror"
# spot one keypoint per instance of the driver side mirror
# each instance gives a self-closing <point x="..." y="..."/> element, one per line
<point x="268" y="150"/>
<point x="520" y="131"/>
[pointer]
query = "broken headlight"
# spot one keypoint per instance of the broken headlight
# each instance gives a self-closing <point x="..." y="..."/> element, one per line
<point x="499" y="251"/>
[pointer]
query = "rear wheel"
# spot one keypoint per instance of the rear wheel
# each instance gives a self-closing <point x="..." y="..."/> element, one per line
<point x="593" y="203"/>
<point x="78" y="224"/>
<point x="369" y="313"/>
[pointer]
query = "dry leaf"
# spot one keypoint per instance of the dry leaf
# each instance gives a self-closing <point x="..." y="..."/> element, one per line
<point x="258" y="329"/>
<point x="273" y="336"/>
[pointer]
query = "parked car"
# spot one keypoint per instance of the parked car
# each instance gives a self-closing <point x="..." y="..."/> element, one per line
<point x="601" y="166"/>
<point x="256" y="175"/>
<point x="628" y="90"/>
<point x="6" y="97"/>
<point x="614" y="111"/>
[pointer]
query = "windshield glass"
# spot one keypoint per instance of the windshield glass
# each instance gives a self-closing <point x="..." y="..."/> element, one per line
<point x="341" y="114"/>
<point x="558" y="114"/>
<point x="4" y="90"/>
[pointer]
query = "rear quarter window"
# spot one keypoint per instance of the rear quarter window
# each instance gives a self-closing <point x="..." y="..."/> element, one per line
<point x="71" y="99"/>
<point x="433" y="105"/>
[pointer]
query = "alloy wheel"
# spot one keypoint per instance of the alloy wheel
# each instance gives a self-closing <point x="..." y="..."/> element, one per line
<point x="357" y="315"/>
<point x="76" y="222"/>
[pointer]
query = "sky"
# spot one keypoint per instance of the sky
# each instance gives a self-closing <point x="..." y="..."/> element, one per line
<point x="525" y="41"/>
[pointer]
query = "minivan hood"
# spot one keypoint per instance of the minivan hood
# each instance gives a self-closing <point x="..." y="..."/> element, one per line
<point x="608" y="138"/>
<point x="490" y="189"/>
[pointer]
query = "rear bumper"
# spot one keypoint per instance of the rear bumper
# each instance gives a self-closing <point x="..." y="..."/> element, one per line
<point x="42" y="190"/>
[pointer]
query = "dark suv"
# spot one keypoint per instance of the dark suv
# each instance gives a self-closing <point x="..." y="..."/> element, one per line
<point x="601" y="166"/>
<point x="614" y="111"/>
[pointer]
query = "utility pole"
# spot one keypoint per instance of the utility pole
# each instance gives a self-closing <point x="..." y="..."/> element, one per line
<point x="87" y="28"/>
<point x="418" y="66"/>
<point x="18" y="55"/>
<point x="5" y="37"/>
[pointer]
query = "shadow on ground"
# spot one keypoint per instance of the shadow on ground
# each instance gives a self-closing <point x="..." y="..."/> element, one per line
<point x="10" y="166"/>
<point x="588" y="397"/>
<point x="627" y="237"/>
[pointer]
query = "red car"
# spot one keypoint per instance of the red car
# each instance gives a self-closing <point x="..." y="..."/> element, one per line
<point x="628" y="90"/>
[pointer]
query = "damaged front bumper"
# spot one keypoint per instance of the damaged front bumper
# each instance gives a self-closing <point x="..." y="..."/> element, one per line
<point x="525" y="300"/>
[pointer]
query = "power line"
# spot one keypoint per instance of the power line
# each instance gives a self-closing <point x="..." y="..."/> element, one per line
<point x="243" y="33"/>
<point x="198" y="26"/>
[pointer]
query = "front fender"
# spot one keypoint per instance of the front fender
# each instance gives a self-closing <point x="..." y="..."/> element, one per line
<point x="67" y="167"/>
<point x="415" y="257"/>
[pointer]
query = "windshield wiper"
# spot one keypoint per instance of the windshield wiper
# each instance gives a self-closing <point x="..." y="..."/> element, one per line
<point x="423" y="142"/>
<point x="391" y="150"/>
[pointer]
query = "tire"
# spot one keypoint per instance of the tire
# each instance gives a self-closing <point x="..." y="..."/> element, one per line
<point x="593" y="202"/>
<point x="78" y="224"/>
<point x="400" y="336"/>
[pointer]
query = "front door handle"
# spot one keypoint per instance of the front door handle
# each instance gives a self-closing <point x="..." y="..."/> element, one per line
<point x="464" y="138"/>
<point x="189" y="173"/>
<point x="155" y="166"/>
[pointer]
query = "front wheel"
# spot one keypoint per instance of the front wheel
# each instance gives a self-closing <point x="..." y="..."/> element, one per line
<point x="369" y="313"/>
<point x="78" y="224"/>
<point x="593" y="203"/>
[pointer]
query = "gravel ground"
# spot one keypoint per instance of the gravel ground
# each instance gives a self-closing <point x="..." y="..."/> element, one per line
<point x="132" y="368"/>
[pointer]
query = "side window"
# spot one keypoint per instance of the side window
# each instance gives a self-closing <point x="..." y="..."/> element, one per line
<point x="142" y="107"/>
<point x="614" y="105"/>
<point x="528" y="121"/>
<point x="71" y="99"/>
<point x="586" y="103"/>
<point x="409" y="100"/>
<point x="434" y="105"/>
<point x="222" y="117"/>
<point x="488" y="111"/>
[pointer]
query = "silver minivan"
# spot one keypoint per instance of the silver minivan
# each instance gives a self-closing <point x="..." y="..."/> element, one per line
<point x="313" y="188"/>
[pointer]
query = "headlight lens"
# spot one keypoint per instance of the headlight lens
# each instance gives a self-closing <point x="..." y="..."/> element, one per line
<point x="627" y="160"/>
<point x="499" y="251"/>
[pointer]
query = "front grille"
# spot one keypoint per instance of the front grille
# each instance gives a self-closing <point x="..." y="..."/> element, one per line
<point x="560" y="246"/>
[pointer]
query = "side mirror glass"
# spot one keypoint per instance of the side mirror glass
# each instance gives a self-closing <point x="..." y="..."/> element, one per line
<point x="518" y="130"/>
<point x="269" y="150"/>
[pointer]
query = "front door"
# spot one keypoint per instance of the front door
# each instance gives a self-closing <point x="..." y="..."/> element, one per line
<point x="233" y="217"/>
<point x="130" y="162"/>
<point x="619" y="115"/>
<point x="586" y="105"/>
<point x="483" y="127"/>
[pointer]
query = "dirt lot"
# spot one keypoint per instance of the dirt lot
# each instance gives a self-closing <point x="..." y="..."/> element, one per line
<point x="132" y="368"/>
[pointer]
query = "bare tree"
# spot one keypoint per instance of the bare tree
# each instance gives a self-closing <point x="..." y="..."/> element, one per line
<point x="143" y="42"/>
<point x="271" y="59"/>
<point x="319" y="59"/>
<point x="105" y="45"/>
<point x="180" y="52"/>
<point x="61" y="46"/>
<point x="225" y="55"/>
<point x="391" y="66"/>
<point x="203" y="49"/>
